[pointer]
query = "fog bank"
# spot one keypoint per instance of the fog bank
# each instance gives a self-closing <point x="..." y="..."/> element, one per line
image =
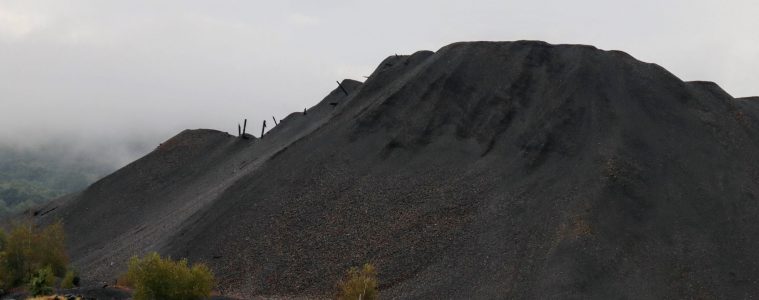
<point x="106" y="76"/>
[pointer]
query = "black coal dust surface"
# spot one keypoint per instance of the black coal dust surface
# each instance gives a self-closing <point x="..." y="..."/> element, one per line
<point x="484" y="170"/>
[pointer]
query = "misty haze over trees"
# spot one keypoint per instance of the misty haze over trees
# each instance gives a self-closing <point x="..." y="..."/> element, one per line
<point x="30" y="176"/>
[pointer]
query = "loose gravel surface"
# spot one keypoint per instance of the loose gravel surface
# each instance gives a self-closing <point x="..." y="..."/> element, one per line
<point x="484" y="170"/>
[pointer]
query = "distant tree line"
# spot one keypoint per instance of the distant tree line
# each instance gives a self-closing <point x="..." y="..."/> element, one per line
<point x="29" y="178"/>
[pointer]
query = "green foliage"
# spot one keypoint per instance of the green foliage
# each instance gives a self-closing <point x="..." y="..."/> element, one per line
<point x="68" y="280"/>
<point x="41" y="282"/>
<point x="5" y="277"/>
<point x="16" y="196"/>
<point x="29" y="249"/>
<point x="359" y="284"/>
<point x="31" y="177"/>
<point x="3" y="240"/>
<point x="153" y="277"/>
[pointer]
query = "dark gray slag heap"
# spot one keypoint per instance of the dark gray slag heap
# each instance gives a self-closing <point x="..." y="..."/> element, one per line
<point x="484" y="170"/>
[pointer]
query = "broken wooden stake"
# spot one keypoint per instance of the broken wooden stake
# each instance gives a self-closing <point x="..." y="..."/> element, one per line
<point x="275" y="120"/>
<point x="239" y="131"/>
<point x="48" y="211"/>
<point x="304" y="111"/>
<point x="262" y="129"/>
<point x="245" y="124"/>
<point x="342" y="88"/>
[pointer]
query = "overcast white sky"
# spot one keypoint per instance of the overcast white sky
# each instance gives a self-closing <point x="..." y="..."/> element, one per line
<point x="136" y="72"/>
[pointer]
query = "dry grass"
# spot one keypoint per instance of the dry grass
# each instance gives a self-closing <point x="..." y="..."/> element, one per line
<point x="359" y="284"/>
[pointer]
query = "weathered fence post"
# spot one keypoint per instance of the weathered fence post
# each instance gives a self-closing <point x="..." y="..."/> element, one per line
<point x="342" y="88"/>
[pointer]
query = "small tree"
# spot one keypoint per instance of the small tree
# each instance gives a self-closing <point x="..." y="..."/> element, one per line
<point x="28" y="249"/>
<point x="42" y="281"/>
<point x="5" y="277"/>
<point x="359" y="284"/>
<point x="69" y="280"/>
<point x="153" y="277"/>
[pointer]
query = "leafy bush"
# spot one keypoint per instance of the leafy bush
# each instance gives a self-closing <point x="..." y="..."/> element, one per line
<point x="4" y="275"/>
<point x="359" y="284"/>
<point x="29" y="249"/>
<point x="41" y="282"/>
<point x="153" y="277"/>
<point x="54" y="297"/>
<point x="69" y="280"/>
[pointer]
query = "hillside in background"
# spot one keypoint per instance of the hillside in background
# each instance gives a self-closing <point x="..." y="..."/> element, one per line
<point x="32" y="176"/>
<point x="485" y="170"/>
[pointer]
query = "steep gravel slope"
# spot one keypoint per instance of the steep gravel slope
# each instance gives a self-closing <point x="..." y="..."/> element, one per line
<point x="483" y="170"/>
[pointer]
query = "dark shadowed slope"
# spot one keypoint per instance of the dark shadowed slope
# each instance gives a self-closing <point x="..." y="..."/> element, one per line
<point x="484" y="170"/>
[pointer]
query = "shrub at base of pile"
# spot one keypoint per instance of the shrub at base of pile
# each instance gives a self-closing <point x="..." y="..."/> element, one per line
<point x="29" y="253"/>
<point x="70" y="280"/>
<point x="153" y="277"/>
<point x="359" y="284"/>
<point x="42" y="282"/>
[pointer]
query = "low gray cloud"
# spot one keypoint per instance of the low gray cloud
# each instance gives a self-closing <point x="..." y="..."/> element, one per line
<point x="126" y="73"/>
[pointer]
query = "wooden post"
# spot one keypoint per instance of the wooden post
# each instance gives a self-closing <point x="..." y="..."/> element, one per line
<point x="342" y="88"/>
<point x="304" y="111"/>
<point x="239" y="131"/>
<point x="262" y="129"/>
<point x="275" y="120"/>
<point x="245" y="124"/>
